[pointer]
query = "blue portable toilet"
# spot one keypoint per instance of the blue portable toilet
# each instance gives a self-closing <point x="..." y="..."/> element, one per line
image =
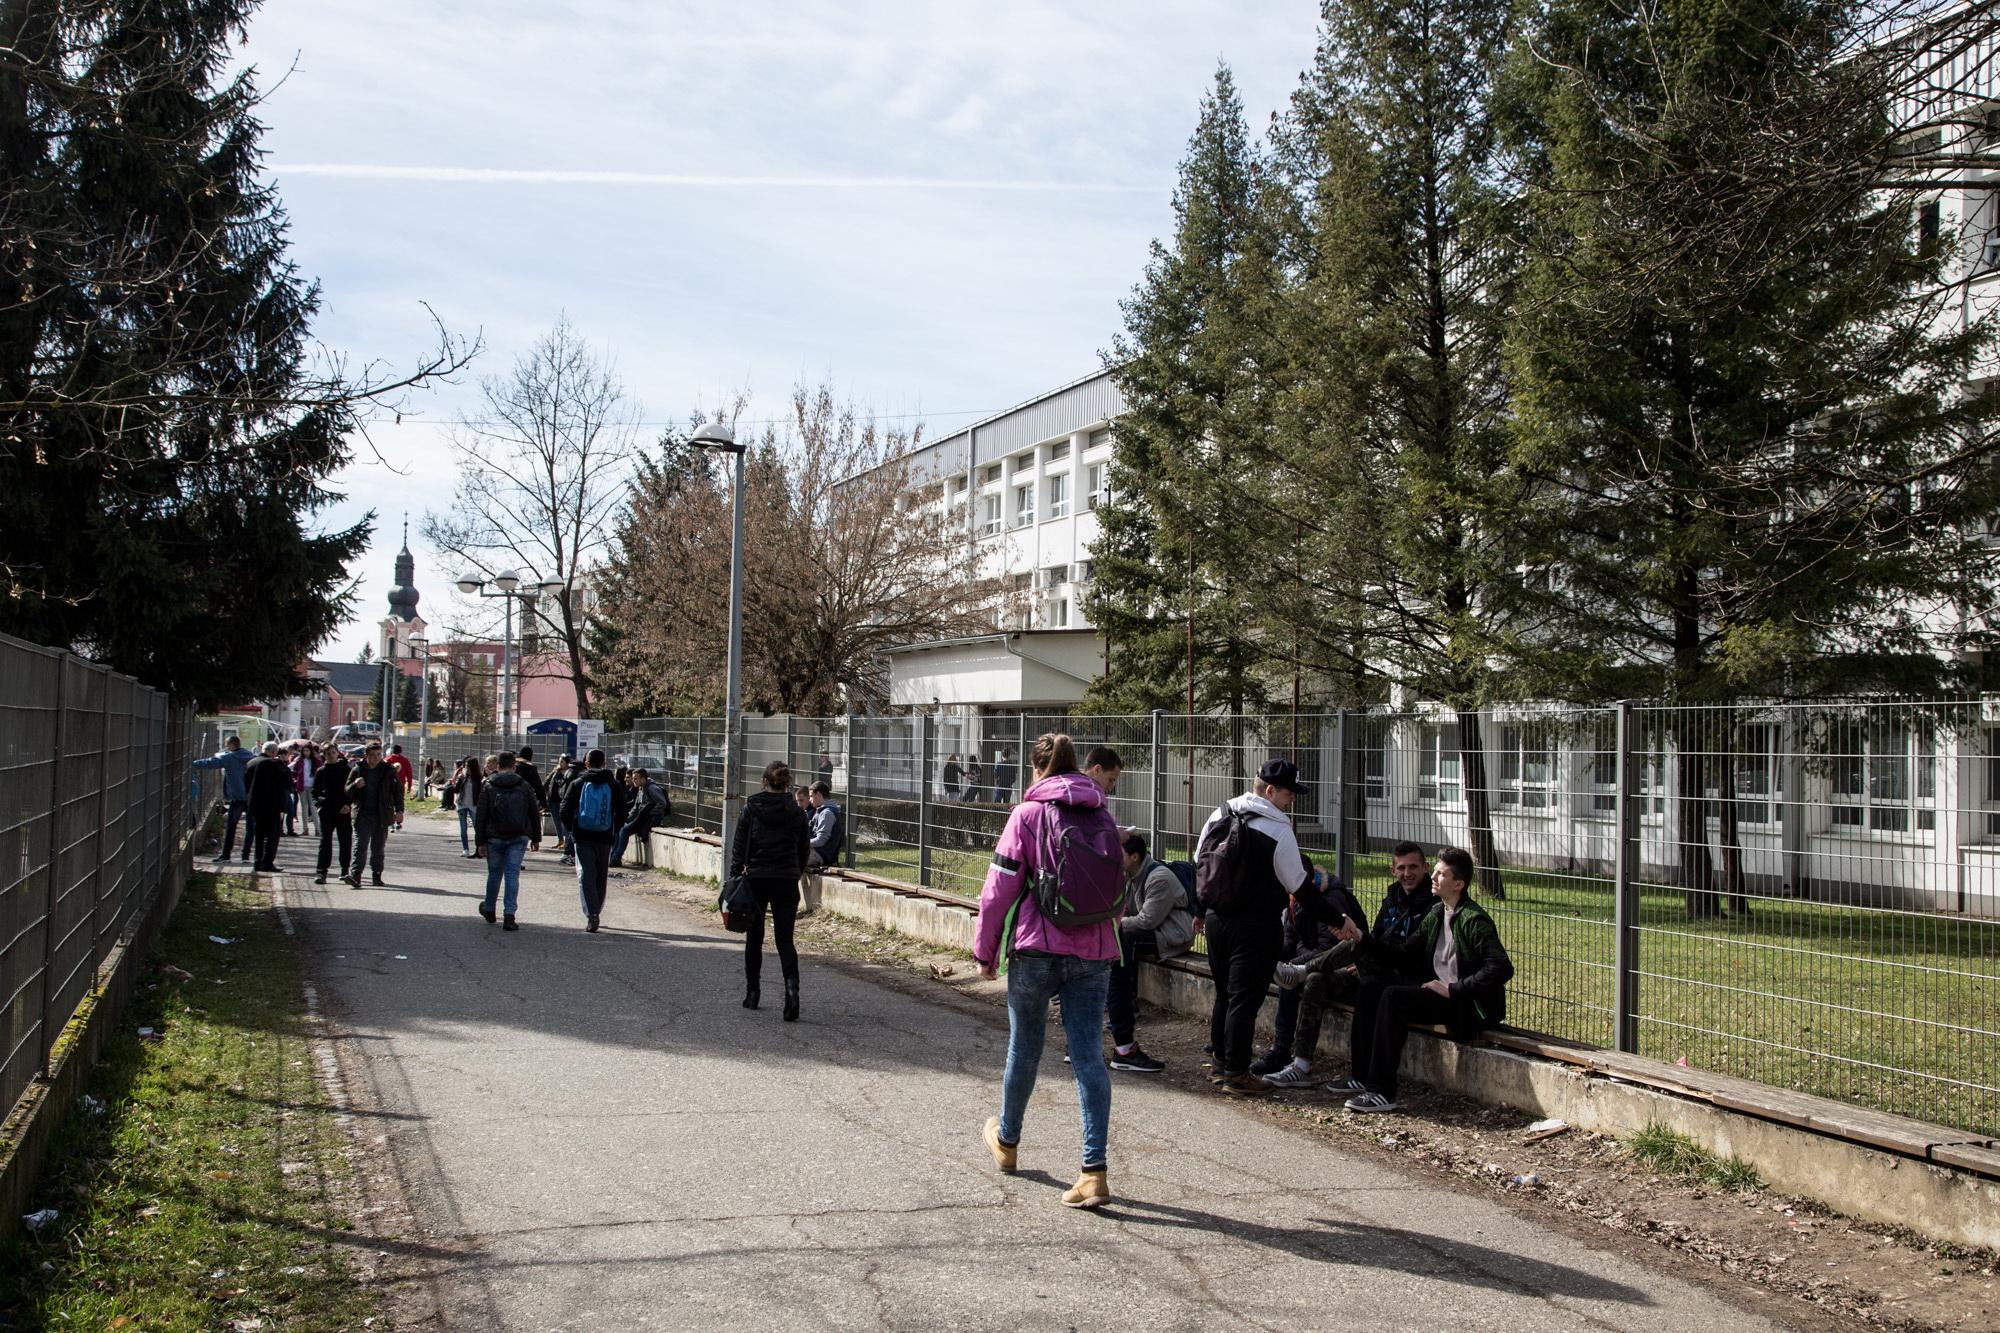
<point x="554" y="732"/>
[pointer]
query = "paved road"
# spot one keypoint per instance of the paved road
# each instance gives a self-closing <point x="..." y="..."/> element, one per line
<point x="611" y="1142"/>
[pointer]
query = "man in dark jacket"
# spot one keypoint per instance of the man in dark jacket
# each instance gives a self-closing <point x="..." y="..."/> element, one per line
<point x="268" y="781"/>
<point x="524" y="764"/>
<point x="771" y="848"/>
<point x="558" y="788"/>
<point x="1461" y="972"/>
<point x="329" y="795"/>
<point x="589" y="815"/>
<point x="1334" y="976"/>
<point x="507" y="822"/>
<point x="376" y="792"/>
<point x="648" y="807"/>
<point x="1313" y="913"/>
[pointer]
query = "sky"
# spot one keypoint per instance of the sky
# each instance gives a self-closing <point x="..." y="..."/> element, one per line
<point x="936" y="206"/>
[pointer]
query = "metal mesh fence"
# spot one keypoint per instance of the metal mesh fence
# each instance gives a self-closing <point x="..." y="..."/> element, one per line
<point x="95" y="794"/>
<point x="1803" y="895"/>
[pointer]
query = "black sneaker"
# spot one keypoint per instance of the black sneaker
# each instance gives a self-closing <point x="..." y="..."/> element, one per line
<point x="508" y="923"/>
<point x="1372" y="1103"/>
<point x="1345" y="1087"/>
<point x="1271" y="1061"/>
<point x="1136" y="1061"/>
<point x="320" y="878"/>
<point x="486" y="910"/>
<point x="377" y="881"/>
<point x="591" y="925"/>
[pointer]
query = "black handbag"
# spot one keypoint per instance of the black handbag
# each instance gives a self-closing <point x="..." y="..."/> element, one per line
<point x="737" y="904"/>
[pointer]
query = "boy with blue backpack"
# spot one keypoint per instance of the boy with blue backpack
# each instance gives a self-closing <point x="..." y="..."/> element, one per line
<point x="587" y="812"/>
<point x="1049" y="912"/>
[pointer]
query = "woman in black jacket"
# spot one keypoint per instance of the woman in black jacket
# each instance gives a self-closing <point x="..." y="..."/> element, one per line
<point x="770" y="848"/>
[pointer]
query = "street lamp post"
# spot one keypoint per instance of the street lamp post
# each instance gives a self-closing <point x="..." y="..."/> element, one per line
<point x="422" y="646"/>
<point x="509" y="584"/>
<point x="720" y="437"/>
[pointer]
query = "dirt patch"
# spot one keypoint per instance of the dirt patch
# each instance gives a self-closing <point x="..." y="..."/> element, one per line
<point x="1801" y="1262"/>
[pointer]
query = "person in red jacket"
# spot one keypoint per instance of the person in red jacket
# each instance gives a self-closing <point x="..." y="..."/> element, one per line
<point x="404" y="768"/>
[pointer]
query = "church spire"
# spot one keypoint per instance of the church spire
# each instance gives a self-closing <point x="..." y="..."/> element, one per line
<point x="403" y="596"/>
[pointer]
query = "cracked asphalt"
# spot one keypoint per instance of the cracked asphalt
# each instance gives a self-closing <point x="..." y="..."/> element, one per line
<point x="593" y="1134"/>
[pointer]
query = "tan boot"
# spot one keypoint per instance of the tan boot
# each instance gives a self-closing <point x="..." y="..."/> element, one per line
<point x="1092" y="1189"/>
<point x="1004" y="1157"/>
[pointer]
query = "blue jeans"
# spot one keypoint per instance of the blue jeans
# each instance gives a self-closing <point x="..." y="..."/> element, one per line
<point x="636" y="829"/>
<point x="1083" y="985"/>
<point x="465" y="817"/>
<point x="503" y="860"/>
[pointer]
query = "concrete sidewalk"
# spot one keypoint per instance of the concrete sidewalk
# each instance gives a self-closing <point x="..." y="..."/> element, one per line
<point x="607" y="1140"/>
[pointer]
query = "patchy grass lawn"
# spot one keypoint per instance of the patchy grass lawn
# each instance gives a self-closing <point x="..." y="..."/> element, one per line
<point x="205" y="1194"/>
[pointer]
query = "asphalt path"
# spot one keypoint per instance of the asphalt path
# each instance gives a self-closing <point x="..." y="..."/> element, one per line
<point x="593" y="1134"/>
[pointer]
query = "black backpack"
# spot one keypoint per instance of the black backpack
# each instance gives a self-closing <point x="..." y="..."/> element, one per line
<point x="1220" y="862"/>
<point x="1184" y="872"/>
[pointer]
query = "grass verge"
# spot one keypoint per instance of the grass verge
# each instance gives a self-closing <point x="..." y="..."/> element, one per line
<point x="1673" y="1154"/>
<point x="200" y="1187"/>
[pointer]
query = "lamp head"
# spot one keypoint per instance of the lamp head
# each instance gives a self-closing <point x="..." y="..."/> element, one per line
<point x="418" y="642"/>
<point x="469" y="585"/>
<point x="506" y="580"/>
<point x="549" y="585"/>
<point x="714" y="435"/>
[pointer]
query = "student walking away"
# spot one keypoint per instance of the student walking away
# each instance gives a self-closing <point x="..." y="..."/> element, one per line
<point x="232" y="759"/>
<point x="1335" y="976"/>
<point x="1003" y="776"/>
<point x="1049" y="910"/>
<point x="376" y="792"/>
<point x="648" y="808"/>
<point x="1453" y="971"/>
<point x="621" y="795"/>
<point x="506" y="826"/>
<point x="406" y="773"/>
<point x="268" y="782"/>
<point x="828" y="830"/>
<point x="952" y="785"/>
<point x="1314" y="914"/>
<point x="770" y="849"/>
<point x="465" y="795"/>
<point x="1157" y="922"/>
<point x="336" y="821"/>
<point x="971" y="791"/>
<point x="1246" y="863"/>
<point x="826" y="769"/>
<point x="589" y="815"/>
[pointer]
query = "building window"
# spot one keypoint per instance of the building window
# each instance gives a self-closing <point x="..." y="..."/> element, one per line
<point x="1928" y="215"/>
<point x="1058" y="451"/>
<point x="1024" y="505"/>
<point x="989" y="515"/>
<point x="1438" y="764"/>
<point x="1059" y="495"/>
<point x="990" y="473"/>
<point x="1600" y="796"/>
<point x="1374" y="769"/>
<point x="1100" y="438"/>
<point x="1058" y="617"/>
<point x="1099" y="479"/>
<point x="1758" y="785"/>
<point x="1054" y="576"/>
<point x="1527" y="773"/>
<point x="1884" y="778"/>
<point x="1087" y="572"/>
<point x="1024" y="462"/>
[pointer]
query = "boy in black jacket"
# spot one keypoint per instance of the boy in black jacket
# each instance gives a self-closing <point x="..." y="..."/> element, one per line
<point x="1313" y="916"/>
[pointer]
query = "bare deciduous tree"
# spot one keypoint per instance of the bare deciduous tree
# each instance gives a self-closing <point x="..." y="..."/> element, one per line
<point x="541" y="478"/>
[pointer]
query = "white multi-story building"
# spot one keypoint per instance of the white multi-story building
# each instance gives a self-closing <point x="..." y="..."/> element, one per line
<point x="1025" y="486"/>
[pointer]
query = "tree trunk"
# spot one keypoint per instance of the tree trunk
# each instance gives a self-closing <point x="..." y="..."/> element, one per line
<point x="1691" y="820"/>
<point x="1728" y="835"/>
<point x="1479" y="806"/>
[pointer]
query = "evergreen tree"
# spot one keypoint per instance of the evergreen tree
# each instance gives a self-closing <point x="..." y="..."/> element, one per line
<point x="1390" y="460"/>
<point x="1763" y="476"/>
<point x="1177" y="561"/>
<point x="165" y="432"/>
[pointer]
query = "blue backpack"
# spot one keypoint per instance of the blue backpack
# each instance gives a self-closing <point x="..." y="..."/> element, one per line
<point x="1184" y="872"/>
<point x="593" y="808"/>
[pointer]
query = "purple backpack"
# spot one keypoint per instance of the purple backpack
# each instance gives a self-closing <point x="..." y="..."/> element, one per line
<point x="1081" y="880"/>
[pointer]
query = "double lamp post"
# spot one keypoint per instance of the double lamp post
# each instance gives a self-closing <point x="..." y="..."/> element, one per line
<point x="510" y="585"/>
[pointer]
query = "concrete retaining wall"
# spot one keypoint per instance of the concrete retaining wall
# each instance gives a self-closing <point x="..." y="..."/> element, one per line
<point x="1962" y="1207"/>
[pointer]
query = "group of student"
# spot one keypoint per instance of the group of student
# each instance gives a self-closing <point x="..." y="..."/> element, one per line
<point x="1067" y="928"/>
<point x="354" y="802"/>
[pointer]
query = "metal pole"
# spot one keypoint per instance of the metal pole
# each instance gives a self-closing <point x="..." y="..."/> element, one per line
<point x="700" y="748"/>
<point x="56" y="755"/>
<point x="733" y="707"/>
<point x="925" y="741"/>
<point x="1343" y="747"/>
<point x="853" y="792"/>
<point x="1625" y="891"/>
<point x="424" y="712"/>
<point x="507" y="670"/>
<point x="1159" y="785"/>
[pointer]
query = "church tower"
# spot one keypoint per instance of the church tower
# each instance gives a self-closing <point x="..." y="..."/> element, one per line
<point x="402" y="623"/>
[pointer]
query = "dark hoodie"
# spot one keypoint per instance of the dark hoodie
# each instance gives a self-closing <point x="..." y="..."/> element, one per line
<point x="574" y="797"/>
<point x="507" y="809"/>
<point x="772" y="838"/>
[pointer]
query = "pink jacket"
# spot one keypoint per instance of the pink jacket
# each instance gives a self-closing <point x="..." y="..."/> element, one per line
<point x="1019" y="854"/>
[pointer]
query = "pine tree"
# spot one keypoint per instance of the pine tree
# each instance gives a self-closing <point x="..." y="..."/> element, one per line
<point x="1390" y="457"/>
<point x="1763" y="477"/>
<point x="165" y="431"/>
<point x="1177" y="559"/>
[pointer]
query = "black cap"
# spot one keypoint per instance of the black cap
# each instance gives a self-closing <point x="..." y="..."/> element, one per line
<point x="1281" y="773"/>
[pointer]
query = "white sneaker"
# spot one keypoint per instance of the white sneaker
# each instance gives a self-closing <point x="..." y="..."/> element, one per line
<point x="1291" y="975"/>
<point x="1293" y="1075"/>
